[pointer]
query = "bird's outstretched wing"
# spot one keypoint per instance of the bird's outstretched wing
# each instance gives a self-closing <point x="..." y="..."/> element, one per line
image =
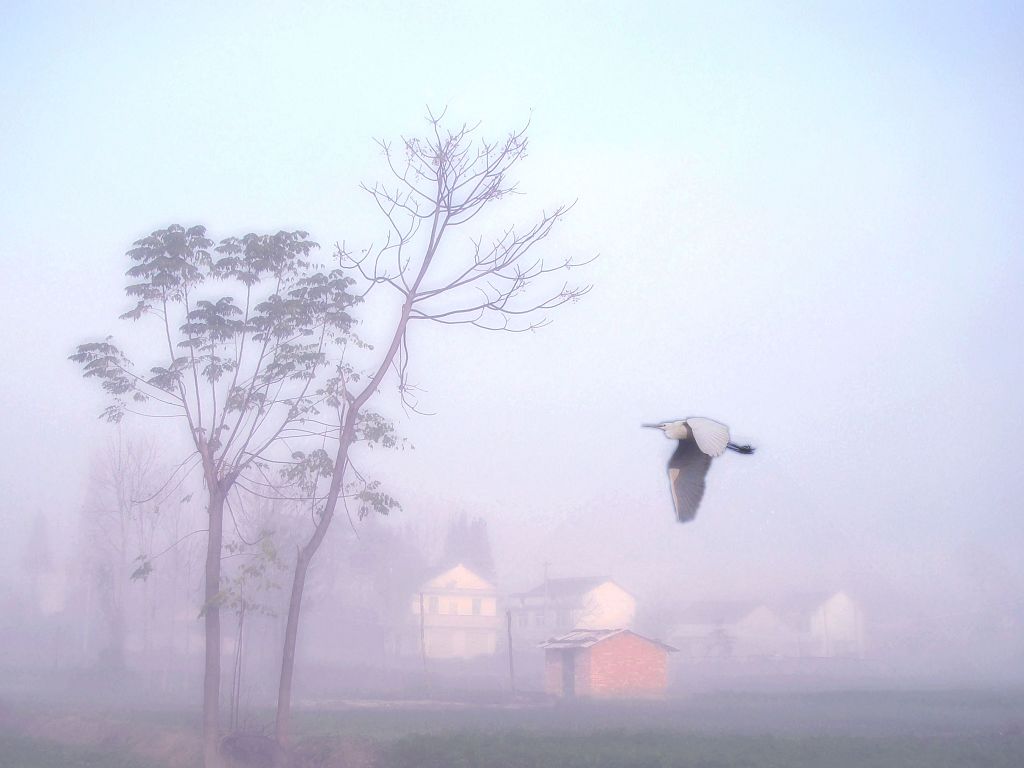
<point x="686" y="471"/>
<point x="712" y="436"/>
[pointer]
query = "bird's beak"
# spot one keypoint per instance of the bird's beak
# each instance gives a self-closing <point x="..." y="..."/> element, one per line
<point x="651" y="426"/>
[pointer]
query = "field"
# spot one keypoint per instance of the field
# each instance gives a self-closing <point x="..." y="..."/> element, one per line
<point x="874" y="729"/>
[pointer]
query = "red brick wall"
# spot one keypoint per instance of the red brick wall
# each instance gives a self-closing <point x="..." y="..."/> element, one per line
<point x="553" y="672"/>
<point x="625" y="665"/>
<point x="583" y="672"/>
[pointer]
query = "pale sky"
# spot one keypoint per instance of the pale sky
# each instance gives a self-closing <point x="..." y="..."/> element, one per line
<point x="808" y="221"/>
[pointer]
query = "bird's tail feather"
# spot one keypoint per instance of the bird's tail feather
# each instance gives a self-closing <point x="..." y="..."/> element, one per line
<point x="740" y="448"/>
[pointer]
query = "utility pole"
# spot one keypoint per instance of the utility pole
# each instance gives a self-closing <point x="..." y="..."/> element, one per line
<point x="547" y="591"/>
<point x="511" y="658"/>
<point x="423" y="641"/>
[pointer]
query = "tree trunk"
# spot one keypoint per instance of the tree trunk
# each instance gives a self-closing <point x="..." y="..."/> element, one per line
<point x="118" y="598"/>
<point x="211" y="614"/>
<point x="345" y="441"/>
<point x="282" y="728"/>
<point x="117" y="633"/>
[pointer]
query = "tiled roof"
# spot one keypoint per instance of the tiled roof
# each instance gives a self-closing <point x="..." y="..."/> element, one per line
<point x="585" y="638"/>
<point x="564" y="589"/>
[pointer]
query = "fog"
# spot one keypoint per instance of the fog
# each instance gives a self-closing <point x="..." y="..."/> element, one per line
<point x="806" y="225"/>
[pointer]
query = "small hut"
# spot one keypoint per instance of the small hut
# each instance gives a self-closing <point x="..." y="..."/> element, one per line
<point x="605" y="663"/>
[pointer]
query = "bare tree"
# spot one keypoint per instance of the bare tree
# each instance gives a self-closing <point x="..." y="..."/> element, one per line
<point x="119" y="528"/>
<point x="440" y="185"/>
<point x="244" y="328"/>
<point x="37" y="561"/>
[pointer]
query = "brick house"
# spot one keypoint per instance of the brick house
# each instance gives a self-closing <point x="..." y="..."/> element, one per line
<point x="605" y="663"/>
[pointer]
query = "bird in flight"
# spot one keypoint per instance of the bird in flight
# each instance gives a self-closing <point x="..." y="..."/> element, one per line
<point x="700" y="440"/>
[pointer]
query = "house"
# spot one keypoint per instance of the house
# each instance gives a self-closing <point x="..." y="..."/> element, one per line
<point x="733" y="629"/>
<point x="605" y="663"/>
<point x="798" y="626"/>
<point x="559" y="605"/>
<point x="457" y="611"/>
<point x="828" y="625"/>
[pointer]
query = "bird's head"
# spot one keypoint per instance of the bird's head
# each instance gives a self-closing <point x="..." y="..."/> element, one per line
<point x="674" y="430"/>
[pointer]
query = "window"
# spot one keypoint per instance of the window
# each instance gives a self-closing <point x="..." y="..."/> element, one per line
<point x="477" y="606"/>
<point x="432" y="605"/>
<point x="524" y="619"/>
<point x="538" y="618"/>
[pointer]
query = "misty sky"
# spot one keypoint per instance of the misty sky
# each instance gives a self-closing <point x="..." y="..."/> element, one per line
<point x="808" y="221"/>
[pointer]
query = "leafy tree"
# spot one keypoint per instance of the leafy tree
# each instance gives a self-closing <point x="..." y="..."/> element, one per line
<point x="440" y="185"/>
<point x="466" y="541"/>
<point x="240" y="332"/>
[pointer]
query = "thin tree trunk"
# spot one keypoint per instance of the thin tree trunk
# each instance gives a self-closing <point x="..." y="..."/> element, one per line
<point x="118" y="621"/>
<point x="282" y="726"/>
<point x="282" y="729"/>
<point x="236" y="677"/>
<point x="117" y="633"/>
<point x="211" y="675"/>
<point x="345" y="442"/>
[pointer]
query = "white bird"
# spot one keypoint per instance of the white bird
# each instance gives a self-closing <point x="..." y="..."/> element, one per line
<point x="700" y="440"/>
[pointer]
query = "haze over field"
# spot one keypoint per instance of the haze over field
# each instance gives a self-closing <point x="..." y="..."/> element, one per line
<point x="808" y="226"/>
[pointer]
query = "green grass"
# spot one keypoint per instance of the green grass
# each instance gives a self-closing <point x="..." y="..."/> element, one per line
<point x="875" y="729"/>
<point x="661" y="749"/>
<point x="608" y="749"/>
<point x="17" y="751"/>
<point x="874" y="714"/>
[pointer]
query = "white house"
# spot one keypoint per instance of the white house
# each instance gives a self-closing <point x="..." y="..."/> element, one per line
<point x="798" y="626"/>
<point x="458" y="613"/>
<point x="560" y="605"/>
<point x="831" y="627"/>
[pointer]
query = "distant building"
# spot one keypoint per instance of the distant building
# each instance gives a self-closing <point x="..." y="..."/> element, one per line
<point x="460" y="615"/>
<point x="829" y="626"/>
<point x="605" y="663"/>
<point x="800" y="626"/>
<point x="560" y="605"/>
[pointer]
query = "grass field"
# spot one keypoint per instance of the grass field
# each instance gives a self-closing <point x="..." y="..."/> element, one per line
<point x="19" y="751"/>
<point x="965" y="729"/>
<point x="661" y="749"/>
